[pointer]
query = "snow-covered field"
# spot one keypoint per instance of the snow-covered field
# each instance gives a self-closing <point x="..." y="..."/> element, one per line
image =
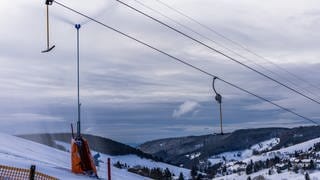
<point x="247" y="153"/>
<point x="284" y="151"/>
<point x="133" y="160"/>
<point x="285" y="175"/>
<point x="21" y="153"/>
<point x="282" y="176"/>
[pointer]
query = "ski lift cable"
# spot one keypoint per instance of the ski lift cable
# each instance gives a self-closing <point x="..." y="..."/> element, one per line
<point x="184" y="62"/>
<point x="227" y="48"/>
<point x="217" y="51"/>
<point x="238" y="44"/>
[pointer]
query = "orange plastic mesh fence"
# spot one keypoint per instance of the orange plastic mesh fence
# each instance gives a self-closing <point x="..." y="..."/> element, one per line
<point x="13" y="173"/>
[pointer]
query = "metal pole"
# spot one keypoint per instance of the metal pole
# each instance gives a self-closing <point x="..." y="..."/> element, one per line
<point x="32" y="172"/>
<point x="221" y="119"/>
<point x="47" y="26"/>
<point x="77" y="26"/>
<point x="109" y="169"/>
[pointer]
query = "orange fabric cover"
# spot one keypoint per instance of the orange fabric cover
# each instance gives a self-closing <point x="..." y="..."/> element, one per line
<point x="81" y="159"/>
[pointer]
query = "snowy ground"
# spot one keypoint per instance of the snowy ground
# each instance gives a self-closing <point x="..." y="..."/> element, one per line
<point x="286" y="175"/>
<point x="22" y="153"/>
<point x="284" y="151"/>
<point x="241" y="155"/>
<point x="282" y="176"/>
<point x="133" y="160"/>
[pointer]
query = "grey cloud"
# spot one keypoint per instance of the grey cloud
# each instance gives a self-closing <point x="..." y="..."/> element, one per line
<point x="127" y="89"/>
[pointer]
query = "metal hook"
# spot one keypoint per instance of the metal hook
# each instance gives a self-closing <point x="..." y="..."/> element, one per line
<point x="218" y="97"/>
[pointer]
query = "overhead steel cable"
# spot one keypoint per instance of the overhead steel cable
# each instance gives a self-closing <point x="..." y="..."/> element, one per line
<point x="184" y="62"/>
<point x="225" y="47"/>
<point x="238" y="44"/>
<point x="217" y="51"/>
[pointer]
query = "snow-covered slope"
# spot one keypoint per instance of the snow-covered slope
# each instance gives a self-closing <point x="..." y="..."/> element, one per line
<point x="22" y="153"/>
<point x="133" y="160"/>
<point x="240" y="155"/>
<point x="283" y="153"/>
<point x="264" y="173"/>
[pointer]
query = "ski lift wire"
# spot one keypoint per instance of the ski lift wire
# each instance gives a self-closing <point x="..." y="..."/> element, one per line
<point x="239" y="45"/>
<point x="226" y="48"/>
<point x="184" y="62"/>
<point x="217" y="51"/>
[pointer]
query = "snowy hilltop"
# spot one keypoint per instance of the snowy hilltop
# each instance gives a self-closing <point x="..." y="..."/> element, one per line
<point x="298" y="161"/>
<point x="267" y="153"/>
<point x="272" y="152"/>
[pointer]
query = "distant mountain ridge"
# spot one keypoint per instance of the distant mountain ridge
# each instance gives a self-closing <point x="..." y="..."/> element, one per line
<point x="96" y="143"/>
<point x="179" y="150"/>
<point x="191" y="150"/>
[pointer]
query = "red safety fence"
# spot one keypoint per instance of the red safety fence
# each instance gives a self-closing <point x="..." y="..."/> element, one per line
<point x="13" y="173"/>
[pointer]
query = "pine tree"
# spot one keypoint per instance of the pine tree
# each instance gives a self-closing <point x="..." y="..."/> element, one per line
<point x="312" y="164"/>
<point x="296" y="154"/>
<point x="224" y="169"/>
<point x="306" y="176"/>
<point x="167" y="174"/>
<point x="193" y="172"/>
<point x="199" y="177"/>
<point x="296" y="169"/>
<point x="267" y="163"/>
<point x="181" y="176"/>
<point x="276" y="160"/>
<point x="289" y="165"/>
<point x="249" y="168"/>
<point x="256" y="167"/>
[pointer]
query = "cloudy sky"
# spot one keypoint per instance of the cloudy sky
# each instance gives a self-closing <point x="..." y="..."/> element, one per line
<point x="131" y="93"/>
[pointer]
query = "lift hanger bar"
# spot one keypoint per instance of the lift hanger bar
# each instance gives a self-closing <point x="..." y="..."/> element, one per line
<point x="48" y="3"/>
<point x="218" y="98"/>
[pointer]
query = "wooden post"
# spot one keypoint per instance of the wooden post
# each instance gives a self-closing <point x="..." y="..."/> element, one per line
<point x="32" y="172"/>
<point x="109" y="169"/>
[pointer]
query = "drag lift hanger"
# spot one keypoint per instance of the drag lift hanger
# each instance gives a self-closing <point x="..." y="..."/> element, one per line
<point x="218" y="98"/>
<point x="48" y="3"/>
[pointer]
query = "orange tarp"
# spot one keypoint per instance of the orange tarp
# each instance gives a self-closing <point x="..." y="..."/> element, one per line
<point x="81" y="158"/>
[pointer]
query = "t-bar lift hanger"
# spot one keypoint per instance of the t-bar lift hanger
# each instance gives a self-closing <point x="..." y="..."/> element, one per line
<point x="218" y="98"/>
<point x="48" y="3"/>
